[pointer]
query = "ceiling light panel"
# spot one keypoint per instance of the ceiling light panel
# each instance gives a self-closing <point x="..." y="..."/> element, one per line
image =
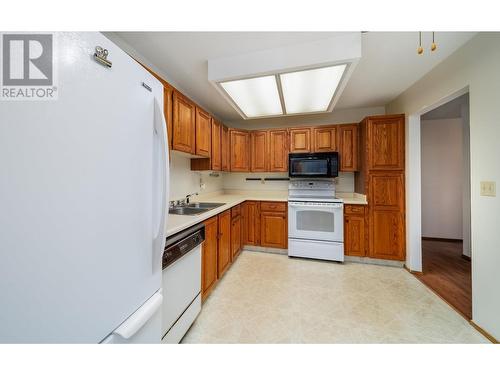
<point x="255" y="97"/>
<point x="310" y="90"/>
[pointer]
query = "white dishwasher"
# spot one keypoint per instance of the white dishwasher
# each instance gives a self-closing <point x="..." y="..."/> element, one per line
<point x="181" y="282"/>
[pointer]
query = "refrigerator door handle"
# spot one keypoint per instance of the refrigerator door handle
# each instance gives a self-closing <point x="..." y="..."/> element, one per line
<point x="140" y="317"/>
<point x="159" y="237"/>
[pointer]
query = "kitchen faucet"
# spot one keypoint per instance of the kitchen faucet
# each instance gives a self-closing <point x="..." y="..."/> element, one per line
<point x="189" y="196"/>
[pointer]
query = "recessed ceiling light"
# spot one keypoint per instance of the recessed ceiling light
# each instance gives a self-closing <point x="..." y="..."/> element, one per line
<point x="310" y="90"/>
<point x="256" y="97"/>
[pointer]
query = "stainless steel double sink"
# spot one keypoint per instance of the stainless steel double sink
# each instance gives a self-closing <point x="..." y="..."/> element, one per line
<point x="193" y="208"/>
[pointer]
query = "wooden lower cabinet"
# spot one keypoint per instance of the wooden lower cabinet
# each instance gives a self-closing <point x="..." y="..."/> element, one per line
<point x="209" y="257"/>
<point x="224" y="243"/>
<point x="274" y="226"/>
<point x="235" y="233"/>
<point x="355" y="234"/>
<point x="251" y="223"/>
<point x="386" y="216"/>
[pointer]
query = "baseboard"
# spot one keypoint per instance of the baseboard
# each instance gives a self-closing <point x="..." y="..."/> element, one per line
<point x="466" y="257"/>
<point x="442" y="239"/>
<point x="411" y="271"/>
<point x="375" y="261"/>
<point x="483" y="332"/>
<point x="270" y="250"/>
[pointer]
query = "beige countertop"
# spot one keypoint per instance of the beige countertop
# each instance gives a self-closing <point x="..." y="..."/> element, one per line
<point x="231" y="198"/>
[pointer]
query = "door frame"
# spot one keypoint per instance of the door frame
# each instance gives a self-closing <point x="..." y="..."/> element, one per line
<point x="414" y="181"/>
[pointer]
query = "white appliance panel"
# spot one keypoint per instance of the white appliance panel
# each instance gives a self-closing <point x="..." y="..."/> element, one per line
<point x="181" y="285"/>
<point x="316" y="249"/>
<point x="79" y="197"/>
<point x="316" y="221"/>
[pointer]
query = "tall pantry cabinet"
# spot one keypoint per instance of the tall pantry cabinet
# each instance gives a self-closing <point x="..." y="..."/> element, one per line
<point x="381" y="177"/>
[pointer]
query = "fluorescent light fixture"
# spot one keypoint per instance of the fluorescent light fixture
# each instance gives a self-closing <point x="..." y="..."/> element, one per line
<point x="255" y="97"/>
<point x="310" y="90"/>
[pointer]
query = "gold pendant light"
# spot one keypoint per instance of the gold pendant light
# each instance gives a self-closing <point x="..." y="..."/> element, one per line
<point x="433" y="45"/>
<point x="420" y="49"/>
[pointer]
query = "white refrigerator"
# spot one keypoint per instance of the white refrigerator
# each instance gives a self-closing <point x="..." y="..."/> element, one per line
<point x="83" y="199"/>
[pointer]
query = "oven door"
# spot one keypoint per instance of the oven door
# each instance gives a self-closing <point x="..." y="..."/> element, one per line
<point x="316" y="221"/>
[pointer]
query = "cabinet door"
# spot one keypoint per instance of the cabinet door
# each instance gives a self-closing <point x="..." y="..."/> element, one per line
<point x="386" y="143"/>
<point x="348" y="142"/>
<point x="235" y="236"/>
<point x="225" y="149"/>
<point x="184" y="128"/>
<point x="224" y="244"/>
<point x="203" y="133"/>
<point x="355" y="235"/>
<point x="325" y="139"/>
<point x="259" y="150"/>
<point x="251" y="223"/>
<point x="240" y="150"/>
<point x="168" y="110"/>
<point x="273" y="229"/>
<point x="209" y="257"/>
<point x="216" y="153"/>
<point x="278" y="150"/>
<point x="386" y="218"/>
<point x="300" y="140"/>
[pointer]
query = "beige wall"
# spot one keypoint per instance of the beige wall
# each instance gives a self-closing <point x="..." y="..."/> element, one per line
<point x="475" y="65"/>
<point x="184" y="181"/>
<point x="442" y="177"/>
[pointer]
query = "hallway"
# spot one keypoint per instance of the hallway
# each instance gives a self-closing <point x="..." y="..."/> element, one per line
<point x="447" y="273"/>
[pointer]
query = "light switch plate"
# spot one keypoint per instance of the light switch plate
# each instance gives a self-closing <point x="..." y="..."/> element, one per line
<point x="488" y="188"/>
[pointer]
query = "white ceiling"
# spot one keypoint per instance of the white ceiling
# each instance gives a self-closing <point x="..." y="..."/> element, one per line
<point x="388" y="66"/>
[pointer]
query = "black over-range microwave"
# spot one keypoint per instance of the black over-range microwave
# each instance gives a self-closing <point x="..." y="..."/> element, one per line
<point x="314" y="165"/>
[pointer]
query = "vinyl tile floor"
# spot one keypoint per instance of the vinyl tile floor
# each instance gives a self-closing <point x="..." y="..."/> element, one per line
<point x="270" y="298"/>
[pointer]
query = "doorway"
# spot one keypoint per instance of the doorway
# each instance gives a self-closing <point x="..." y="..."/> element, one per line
<point x="445" y="203"/>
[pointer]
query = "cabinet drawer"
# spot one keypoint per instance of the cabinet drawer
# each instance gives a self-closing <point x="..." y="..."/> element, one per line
<point x="273" y="206"/>
<point x="236" y="211"/>
<point x="354" y="209"/>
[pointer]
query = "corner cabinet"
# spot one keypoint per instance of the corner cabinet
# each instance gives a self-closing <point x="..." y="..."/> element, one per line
<point x="216" y="154"/>
<point x="239" y="141"/>
<point x="235" y="231"/>
<point x="184" y="124"/>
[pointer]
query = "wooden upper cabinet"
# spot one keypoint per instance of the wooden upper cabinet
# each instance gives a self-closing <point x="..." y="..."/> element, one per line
<point x="325" y="139"/>
<point x="386" y="142"/>
<point x="300" y="140"/>
<point x="184" y="124"/>
<point x="278" y="150"/>
<point x="216" y="154"/>
<point x="225" y="156"/>
<point x="348" y="147"/>
<point x="203" y="133"/>
<point x="239" y="150"/>
<point x="209" y="256"/>
<point x="259" y="150"/>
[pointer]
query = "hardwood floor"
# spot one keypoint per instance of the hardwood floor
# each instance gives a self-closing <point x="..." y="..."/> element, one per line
<point x="447" y="273"/>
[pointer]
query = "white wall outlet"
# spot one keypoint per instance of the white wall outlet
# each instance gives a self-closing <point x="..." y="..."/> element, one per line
<point x="488" y="188"/>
